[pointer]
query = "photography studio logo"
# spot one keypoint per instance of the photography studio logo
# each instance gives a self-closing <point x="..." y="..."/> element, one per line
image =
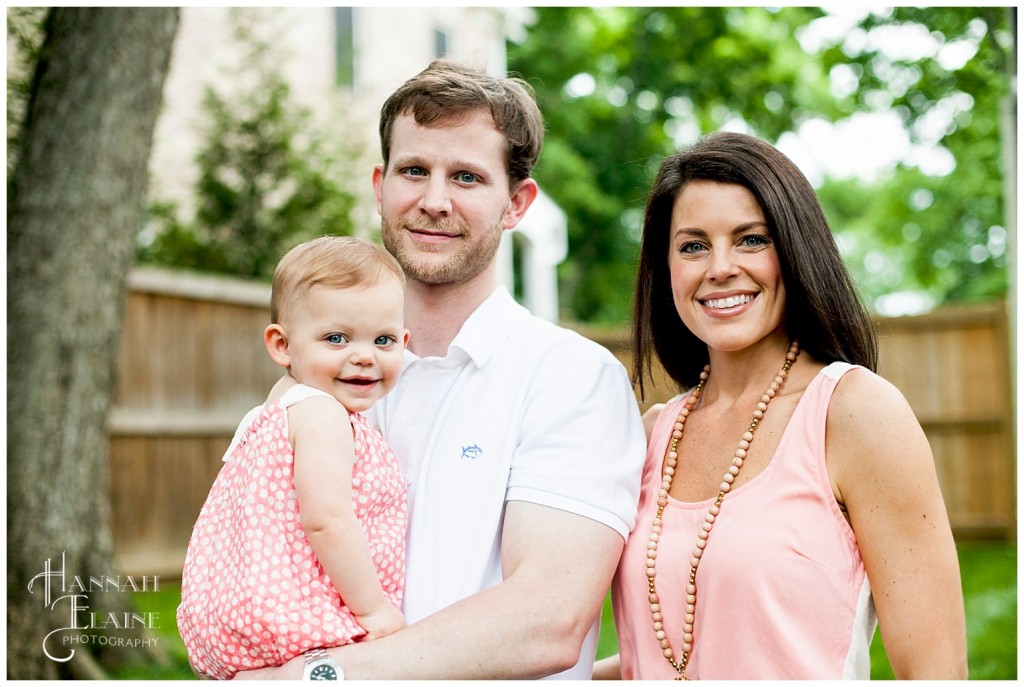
<point x="68" y="597"/>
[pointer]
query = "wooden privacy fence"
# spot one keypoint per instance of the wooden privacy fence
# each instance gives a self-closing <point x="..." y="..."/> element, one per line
<point x="191" y="363"/>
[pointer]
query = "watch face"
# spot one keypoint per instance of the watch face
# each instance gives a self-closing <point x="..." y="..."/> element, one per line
<point x="323" y="672"/>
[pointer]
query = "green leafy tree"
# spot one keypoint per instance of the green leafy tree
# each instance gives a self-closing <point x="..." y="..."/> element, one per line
<point x="943" y="235"/>
<point x="622" y="87"/>
<point x="270" y="174"/>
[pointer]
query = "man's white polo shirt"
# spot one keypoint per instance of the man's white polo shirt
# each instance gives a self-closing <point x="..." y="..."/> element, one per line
<point x="519" y="409"/>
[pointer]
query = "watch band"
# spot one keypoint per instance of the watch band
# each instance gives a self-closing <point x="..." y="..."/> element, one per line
<point x="314" y="654"/>
<point x="320" y="666"/>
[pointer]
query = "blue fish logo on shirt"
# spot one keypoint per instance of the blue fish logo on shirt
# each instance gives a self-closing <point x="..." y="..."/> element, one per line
<point x="471" y="452"/>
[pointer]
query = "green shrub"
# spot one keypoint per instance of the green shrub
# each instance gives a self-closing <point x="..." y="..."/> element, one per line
<point x="270" y="173"/>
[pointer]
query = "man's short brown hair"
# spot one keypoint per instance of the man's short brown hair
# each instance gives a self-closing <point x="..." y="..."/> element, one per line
<point x="447" y="91"/>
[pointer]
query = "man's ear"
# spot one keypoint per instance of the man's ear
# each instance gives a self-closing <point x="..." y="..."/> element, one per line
<point x="519" y="202"/>
<point x="378" y="185"/>
<point x="276" y="340"/>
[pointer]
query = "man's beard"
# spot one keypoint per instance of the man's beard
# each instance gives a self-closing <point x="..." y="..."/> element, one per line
<point x="469" y="260"/>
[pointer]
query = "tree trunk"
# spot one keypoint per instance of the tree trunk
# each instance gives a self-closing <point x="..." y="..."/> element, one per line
<point x="75" y="205"/>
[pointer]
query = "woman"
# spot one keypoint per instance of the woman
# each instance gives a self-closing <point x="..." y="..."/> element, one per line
<point x="791" y="492"/>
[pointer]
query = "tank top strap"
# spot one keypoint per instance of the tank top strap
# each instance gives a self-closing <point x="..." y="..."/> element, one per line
<point x="666" y="420"/>
<point x="812" y="410"/>
<point x="660" y="435"/>
<point x="242" y="431"/>
<point x="801" y="453"/>
<point x="837" y="369"/>
<point x="299" y="393"/>
<point x="295" y="394"/>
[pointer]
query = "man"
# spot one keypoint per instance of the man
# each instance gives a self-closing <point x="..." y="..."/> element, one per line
<point x="521" y="442"/>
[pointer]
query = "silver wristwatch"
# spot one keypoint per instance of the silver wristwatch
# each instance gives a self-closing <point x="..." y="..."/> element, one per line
<point x="320" y="666"/>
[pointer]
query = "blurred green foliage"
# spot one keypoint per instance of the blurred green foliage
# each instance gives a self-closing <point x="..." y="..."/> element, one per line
<point x="270" y="174"/>
<point x="622" y="87"/>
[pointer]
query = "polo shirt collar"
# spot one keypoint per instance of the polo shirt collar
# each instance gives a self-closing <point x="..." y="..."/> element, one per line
<point x="488" y="326"/>
<point x="483" y="331"/>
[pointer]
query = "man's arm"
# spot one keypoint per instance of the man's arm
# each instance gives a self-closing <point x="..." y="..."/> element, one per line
<point x="557" y="568"/>
<point x="581" y="452"/>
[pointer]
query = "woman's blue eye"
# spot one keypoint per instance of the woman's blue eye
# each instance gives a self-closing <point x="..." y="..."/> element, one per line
<point x="755" y="240"/>
<point x="691" y="247"/>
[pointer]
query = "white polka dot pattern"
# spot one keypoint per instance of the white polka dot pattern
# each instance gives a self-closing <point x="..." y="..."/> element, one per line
<point x="252" y="592"/>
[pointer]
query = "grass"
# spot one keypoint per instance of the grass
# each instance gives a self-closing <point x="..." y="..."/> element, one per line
<point x="988" y="571"/>
<point x="165" y="602"/>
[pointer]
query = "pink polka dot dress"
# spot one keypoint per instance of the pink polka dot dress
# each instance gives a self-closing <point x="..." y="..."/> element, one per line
<point x="252" y="591"/>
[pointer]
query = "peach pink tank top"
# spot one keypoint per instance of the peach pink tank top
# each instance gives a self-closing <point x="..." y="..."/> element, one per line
<point x="781" y="588"/>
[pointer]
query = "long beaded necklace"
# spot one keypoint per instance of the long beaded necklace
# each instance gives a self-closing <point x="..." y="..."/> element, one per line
<point x="671" y="461"/>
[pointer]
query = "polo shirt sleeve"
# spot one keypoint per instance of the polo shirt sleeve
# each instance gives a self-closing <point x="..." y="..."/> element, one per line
<point x="582" y="445"/>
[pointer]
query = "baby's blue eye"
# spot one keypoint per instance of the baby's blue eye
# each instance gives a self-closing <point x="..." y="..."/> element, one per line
<point x="384" y="340"/>
<point x="336" y="339"/>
